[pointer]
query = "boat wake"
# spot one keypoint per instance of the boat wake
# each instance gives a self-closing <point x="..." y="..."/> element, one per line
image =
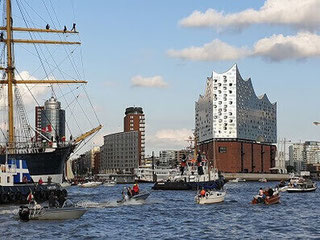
<point x="108" y="204"/>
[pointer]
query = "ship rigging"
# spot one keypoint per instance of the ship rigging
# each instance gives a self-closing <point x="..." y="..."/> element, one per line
<point x="49" y="159"/>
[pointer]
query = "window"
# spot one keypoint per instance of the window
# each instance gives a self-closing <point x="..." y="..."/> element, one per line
<point x="222" y="149"/>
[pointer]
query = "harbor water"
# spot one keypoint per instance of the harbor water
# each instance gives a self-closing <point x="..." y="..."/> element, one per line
<point x="175" y="215"/>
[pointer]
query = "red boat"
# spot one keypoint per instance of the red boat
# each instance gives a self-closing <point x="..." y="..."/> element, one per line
<point x="271" y="197"/>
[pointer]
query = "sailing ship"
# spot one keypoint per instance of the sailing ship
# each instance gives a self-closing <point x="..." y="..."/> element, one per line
<point x="47" y="157"/>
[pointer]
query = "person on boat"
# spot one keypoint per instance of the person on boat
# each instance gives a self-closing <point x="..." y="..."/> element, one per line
<point x="53" y="200"/>
<point x="199" y="163"/>
<point x="73" y="27"/>
<point x="183" y="163"/>
<point x="30" y="197"/>
<point x="25" y="179"/>
<point x="61" y="200"/>
<point x="40" y="182"/>
<point x="129" y="192"/>
<point x="49" y="180"/>
<point x="202" y="193"/>
<point x="135" y="189"/>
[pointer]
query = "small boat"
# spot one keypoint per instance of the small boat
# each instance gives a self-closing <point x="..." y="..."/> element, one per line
<point x="262" y="180"/>
<point x="210" y="197"/>
<point x="109" y="183"/>
<point x="90" y="184"/>
<point x="37" y="212"/>
<point x="65" y="184"/>
<point x="270" y="197"/>
<point x="139" y="197"/>
<point x="306" y="186"/>
<point x="237" y="180"/>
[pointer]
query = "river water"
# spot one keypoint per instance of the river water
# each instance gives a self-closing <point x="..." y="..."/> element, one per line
<point x="175" y="215"/>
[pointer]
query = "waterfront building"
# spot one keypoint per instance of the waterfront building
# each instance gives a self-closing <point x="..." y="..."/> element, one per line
<point x="296" y="157"/>
<point x="234" y="127"/>
<point x="120" y="152"/>
<point x="311" y="152"/>
<point x="53" y="120"/>
<point x="167" y="157"/>
<point x="134" y="120"/>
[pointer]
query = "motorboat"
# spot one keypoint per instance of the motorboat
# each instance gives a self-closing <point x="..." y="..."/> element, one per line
<point x="142" y="196"/>
<point x="35" y="211"/>
<point x="270" y="197"/>
<point x="65" y="184"/>
<point x="305" y="186"/>
<point x="262" y="180"/>
<point x="109" y="183"/>
<point x="210" y="197"/>
<point x="237" y="180"/>
<point x="90" y="184"/>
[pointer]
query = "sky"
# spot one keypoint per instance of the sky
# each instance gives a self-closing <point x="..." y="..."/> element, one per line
<point x="158" y="54"/>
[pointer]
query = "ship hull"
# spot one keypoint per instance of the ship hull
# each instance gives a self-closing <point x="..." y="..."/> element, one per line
<point x="44" y="164"/>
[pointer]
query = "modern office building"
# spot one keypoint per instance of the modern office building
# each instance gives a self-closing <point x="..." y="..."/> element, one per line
<point x="120" y="152"/>
<point x="311" y="153"/>
<point x="38" y="125"/>
<point x="134" y="120"/>
<point x="296" y="156"/>
<point x="234" y="126"/>
<point x="53" y="120"/>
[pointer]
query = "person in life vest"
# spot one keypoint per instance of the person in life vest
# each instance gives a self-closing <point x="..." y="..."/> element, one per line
<point x="135" y="189"/>
<point x="40" y="182"/>
<point x="203" y="193"/>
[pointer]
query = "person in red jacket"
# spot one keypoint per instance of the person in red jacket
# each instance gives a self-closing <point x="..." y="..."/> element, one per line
<point x="40" y="182"/>
<point x="135" y="189"/>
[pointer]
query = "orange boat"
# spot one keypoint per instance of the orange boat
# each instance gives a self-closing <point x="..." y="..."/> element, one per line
<point x="271" y="198"/>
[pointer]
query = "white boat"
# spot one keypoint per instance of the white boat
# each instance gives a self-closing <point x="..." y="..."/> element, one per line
<point x="65" y="184"/>
<point x="109" y="183"/>
<point x="90" y="184"/>
<point x="210" y="197"/>
<point x="237" y="180"/>
<point x="262" y="180"/>
<point x="37" y="212"/>
<point x="306" y="186"/>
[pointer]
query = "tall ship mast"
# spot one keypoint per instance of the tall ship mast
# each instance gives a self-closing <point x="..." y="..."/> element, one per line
<point x="47" y="157"/>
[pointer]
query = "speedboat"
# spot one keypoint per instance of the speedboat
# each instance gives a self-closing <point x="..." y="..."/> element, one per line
<point x="142" y="196"/>
<point x="109" y="183"/>
<point x="37" y="212"/>
<point x="262" y="180"/>
<point x="210" y="197"/>
<point x="237" y="180"/>
<point x="270" y="197"/>
<point x="306" y="186"/>
<point x="90" y="184"/>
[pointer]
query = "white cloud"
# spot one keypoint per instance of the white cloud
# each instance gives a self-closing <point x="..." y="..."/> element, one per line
<point x="274" y="48"/>
<point x="151" y="82"/>
<point x="213" y="51"/>
<point x="169" y="139"/>
<point x="301" y="14"/>
<point x="38" y="91"/>
<point x="279" y="47"/>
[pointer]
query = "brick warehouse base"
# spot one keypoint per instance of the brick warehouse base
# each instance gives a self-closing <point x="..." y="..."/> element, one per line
<point x="237" y="156"/>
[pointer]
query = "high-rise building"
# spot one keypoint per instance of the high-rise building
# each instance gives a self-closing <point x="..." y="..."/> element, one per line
<point x="234" y="126"/>
<point x="296" y="156"/>
<point x="38" y="126"/>
<point x="120" y="152"/>
<point x="134" y="120"/>
<point x="53" y="120"/>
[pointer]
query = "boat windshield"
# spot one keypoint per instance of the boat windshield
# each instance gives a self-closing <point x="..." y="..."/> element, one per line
<point x="67" y="203"/>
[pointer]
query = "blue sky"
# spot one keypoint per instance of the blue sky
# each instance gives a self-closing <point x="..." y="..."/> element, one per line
<point x="123" y="40"/>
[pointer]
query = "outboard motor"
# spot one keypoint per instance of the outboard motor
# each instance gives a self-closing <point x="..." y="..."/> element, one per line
<point x="24" y="213"/>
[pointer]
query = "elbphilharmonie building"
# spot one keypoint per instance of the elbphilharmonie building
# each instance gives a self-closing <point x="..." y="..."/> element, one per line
<point x="230" y="114"/>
